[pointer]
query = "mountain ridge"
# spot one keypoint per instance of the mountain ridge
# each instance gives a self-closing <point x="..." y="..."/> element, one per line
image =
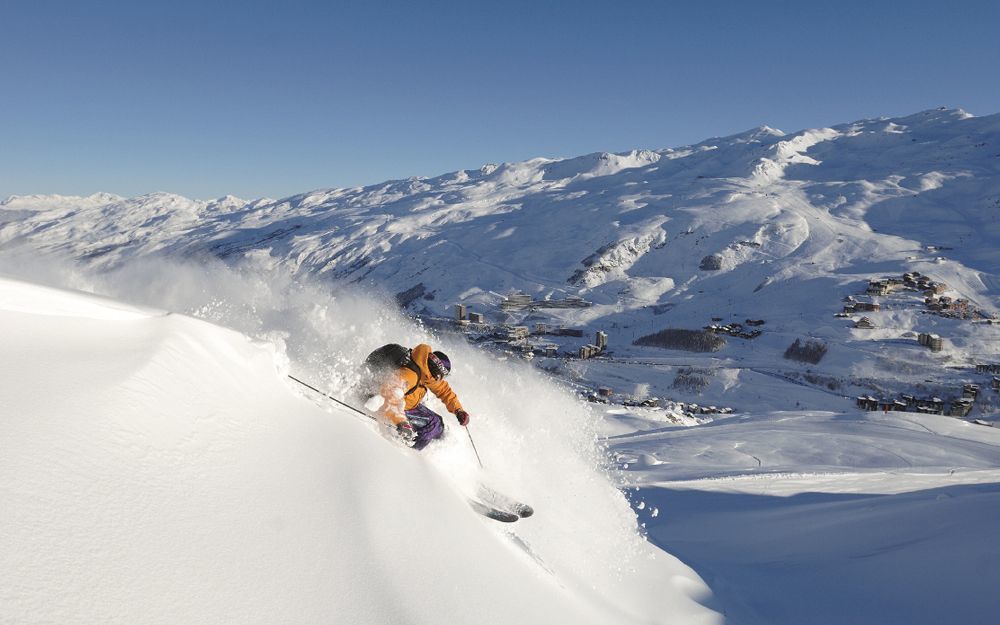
<point x="758" y="225"/>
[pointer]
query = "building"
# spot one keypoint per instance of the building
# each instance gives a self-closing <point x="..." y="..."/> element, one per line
<point x="960" y="407"/>
<point x="933" y="341"/>
<point x="564" y="331"/>
<point x="867" y="402"/>
<point x="877" y="287"/>
<point x="572" y="301"/>
<point x="460" y="311"/>
<point x="602" y="340"/>
<point x="515" y="333"/>
<point x="864" y="323"/>
<point x="475" y="317"/>
<point x="515" y="301"/>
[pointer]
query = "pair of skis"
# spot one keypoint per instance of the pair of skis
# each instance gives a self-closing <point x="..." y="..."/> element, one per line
<point x="499" y="507"/>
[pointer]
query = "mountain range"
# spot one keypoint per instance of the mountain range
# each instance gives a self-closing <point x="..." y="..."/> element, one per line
<point x="761" y="225"/>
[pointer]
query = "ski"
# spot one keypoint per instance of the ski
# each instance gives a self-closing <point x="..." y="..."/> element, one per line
<point x="493" y="513"/>
<point x="505" y="503"/>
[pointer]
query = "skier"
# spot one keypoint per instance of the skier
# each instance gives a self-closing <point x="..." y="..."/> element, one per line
<point x="401" y="378"/>
<point x="395" y="381"/>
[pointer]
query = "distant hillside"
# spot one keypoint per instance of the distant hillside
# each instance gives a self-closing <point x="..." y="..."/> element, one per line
<point x="762" y="225"/>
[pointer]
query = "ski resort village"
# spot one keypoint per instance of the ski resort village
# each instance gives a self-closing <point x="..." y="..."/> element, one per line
<point x="554" y="346"/>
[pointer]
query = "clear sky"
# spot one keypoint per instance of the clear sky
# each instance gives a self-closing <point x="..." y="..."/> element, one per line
<point x="252" y="98"/>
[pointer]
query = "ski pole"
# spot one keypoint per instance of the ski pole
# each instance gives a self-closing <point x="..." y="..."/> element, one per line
<point x="467" y="431"/>
<point x="331" y="397"/>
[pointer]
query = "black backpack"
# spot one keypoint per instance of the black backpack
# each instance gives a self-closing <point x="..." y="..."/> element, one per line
<point x="387" y="359"/>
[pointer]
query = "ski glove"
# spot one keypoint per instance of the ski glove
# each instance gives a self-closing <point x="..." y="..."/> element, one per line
<point x="463" y="418"/>
<point x="405" y="432"/>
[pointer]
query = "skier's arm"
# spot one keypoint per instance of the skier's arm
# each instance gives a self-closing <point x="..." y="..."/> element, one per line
<point x="446" y="395"/>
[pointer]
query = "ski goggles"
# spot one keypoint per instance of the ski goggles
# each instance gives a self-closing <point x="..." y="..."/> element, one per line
<point x="438" y="370"/>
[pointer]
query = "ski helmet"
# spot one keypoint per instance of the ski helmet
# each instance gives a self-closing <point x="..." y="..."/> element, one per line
<point x="439" y="364"/>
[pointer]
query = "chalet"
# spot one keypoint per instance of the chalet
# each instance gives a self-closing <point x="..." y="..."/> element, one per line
<point x="933" y="405"/>
<point x="892" y="405"/>
<point x="960" y="407"/>
<point x="877" y="287"/>
<point x="864" y="323"/>
<point x="996" y="383"/>
<point x="934" y="288"/>
<point x="970" y="391"/>
<point x="651" y="402"/>
<point x="867" y="402"/>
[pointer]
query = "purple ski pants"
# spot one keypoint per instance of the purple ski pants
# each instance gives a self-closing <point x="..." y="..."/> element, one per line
<point x="426" y="423"/>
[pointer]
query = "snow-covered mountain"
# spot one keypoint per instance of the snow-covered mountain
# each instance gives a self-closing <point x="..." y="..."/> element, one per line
<point x="759" y="225"/>
<point x="161" y="461"/>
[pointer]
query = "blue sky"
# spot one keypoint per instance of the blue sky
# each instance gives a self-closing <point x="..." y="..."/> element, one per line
<point x="274" y="98"/>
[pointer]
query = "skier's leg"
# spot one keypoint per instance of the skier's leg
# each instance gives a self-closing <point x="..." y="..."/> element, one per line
<point x="427" y="423"/>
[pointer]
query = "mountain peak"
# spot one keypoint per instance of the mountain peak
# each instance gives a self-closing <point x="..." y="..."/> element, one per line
<point x="755" y="135"/>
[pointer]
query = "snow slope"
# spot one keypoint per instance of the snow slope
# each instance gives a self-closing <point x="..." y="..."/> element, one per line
<point x="159" y="469"/>
<point x="828" y="518"/>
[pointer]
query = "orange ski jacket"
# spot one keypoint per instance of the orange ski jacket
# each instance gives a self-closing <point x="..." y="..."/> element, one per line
<point x="394" y="388"/>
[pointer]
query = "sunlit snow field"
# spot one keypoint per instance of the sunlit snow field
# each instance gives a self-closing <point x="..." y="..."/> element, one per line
<point x="165" y="470"/>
